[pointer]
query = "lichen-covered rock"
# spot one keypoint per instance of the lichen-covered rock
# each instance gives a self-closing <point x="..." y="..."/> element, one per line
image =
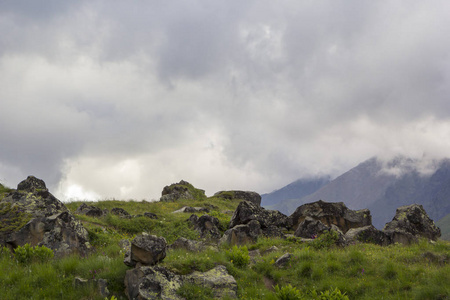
<point x="152" y="283"/>
<point x="253" y="197"/>
<point x="309" y="228"/>
<point x="331" y="213"/>
<point x="242" y="234"/>
<point x="120" y="212"/>
<point x="283" y="260"/>
<point x="146" y="250"/>
<point x="40" y="220"/>
<point x="207" y="226"/>
<point x="181" y="190"/>
<point x="91" y="211"/>
<point x="156" y="282"/>
<point x="366" y="234"/>
<point x="410" y="223"/>
<point x="218" y="280"/>
<point x="248" y="211"/>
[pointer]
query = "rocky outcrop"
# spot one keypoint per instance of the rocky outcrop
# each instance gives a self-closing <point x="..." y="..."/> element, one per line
<point x="331" y="213"/>
<point x="181" y="190"/>
<point x="253" y="197"/>
<point x="366" y="234"/>
<point x="410" y="223"/>
<point x="218" y="280"/>
<point x="152" y="283"/>
<point x="248" y="211"/>
<point x="91" y="211"/>
<point x="146" y="250"/>
<point x="309" y="228"/>
<point x="157" y="282"/>
<point x="206" y="226"/>
<point x="31" y="214"/>
<point x="242" y="234"/>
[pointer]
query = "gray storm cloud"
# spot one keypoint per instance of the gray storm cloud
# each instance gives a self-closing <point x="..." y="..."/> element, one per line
<point x="110" y="99"/>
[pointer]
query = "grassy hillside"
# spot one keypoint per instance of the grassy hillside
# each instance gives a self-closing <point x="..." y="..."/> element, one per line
<point x="444" y="225"/>
<point x="361" y="271"/>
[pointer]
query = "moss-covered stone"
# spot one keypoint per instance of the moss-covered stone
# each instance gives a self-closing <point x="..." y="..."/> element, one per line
<point x="12" y="217"/>
<point x="181" y="191"/>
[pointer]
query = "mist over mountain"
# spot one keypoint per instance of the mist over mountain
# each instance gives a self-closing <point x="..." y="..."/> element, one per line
<point x="382" y="186"/>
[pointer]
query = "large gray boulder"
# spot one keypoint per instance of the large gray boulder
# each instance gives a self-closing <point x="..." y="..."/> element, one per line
<point x="248" y="211"/>
<point x="206" y="226"/>
<point x="242" y="234"/>
<point x="310" y="228"/>
<point x="366" y="234"/>
<point x="152" y="282"/>
<point x="331" y="214"/>
<point x="218" y="280"/>
<point x="146" y="250"/>
<point x="253" y="197"/>
<point x="156" y="282"/>
<point x="31" y="214"/>
<point x="410" y="223"/>
<point x="181" y="190"/>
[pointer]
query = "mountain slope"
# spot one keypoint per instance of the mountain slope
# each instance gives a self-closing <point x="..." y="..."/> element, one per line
<point x="384" y="186"/>
<point x="285" y="198"/>
<point x="444" y="225"/>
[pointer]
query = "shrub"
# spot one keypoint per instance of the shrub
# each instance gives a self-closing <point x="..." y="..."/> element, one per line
<point x="288" y="292"/>
<point x="335" y="294"/>
<point x="27" y="254"/>
<point x="238" y="256"/>
<point x="325" y="240"/>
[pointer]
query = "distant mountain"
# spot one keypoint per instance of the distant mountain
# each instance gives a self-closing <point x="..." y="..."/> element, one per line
<point x="384" y="186"/>
<point x="444" y="225"/>
<point x="281" y="199"/>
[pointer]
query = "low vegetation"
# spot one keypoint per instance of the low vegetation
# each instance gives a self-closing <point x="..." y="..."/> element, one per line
<point x="316" y="270"/>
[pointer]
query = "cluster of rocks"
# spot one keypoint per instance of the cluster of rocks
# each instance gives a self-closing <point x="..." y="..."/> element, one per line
<point x="147" y="280"/>
<point x="94" y="211"/>
<point x="47" y="222"/>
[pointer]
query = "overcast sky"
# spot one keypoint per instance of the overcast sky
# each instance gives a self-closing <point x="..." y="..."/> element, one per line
<point x="116" y="99"/>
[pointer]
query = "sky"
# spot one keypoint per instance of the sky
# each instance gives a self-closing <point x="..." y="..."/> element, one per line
<point x="116" y="99"/>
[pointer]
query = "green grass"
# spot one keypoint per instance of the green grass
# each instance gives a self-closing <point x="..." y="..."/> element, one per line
<point x="362" y="271"/>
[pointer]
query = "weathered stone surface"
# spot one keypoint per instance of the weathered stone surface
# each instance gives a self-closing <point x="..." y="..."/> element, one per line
<point x="152" y="283"/>
<point x="242" y="234"/>
<point x="207" y="226"/>
<point x="156" y="282"/>
<point x="309" y="228"/>
<point x="248" y="211"/>
<point x="190" y="209"/>
<point x="31" y="185"/>
<point x="283" y="260"/>
<point x="181" y="190"/>
<point x="120" y="212"/>
<point x="190" y="245"/>
<point x="270" y="250"/>
<point x="253" y="197"/>
<point x="366" y="234"/>
<point x="91" y="211"/>
<point x="147" y="250"/>
<point x="44" y="221"/>
<point x="217" y="279"/>
<point x="409" y="223"/>
<point x="331" y="213"/>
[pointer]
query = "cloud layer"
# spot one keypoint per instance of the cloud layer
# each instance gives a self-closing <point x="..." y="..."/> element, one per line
<point x="110" y="99"/>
